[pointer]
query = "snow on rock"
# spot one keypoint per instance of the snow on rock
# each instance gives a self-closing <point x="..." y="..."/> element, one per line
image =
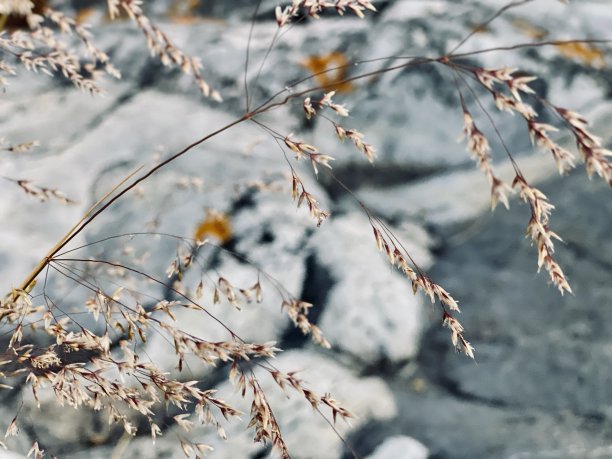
<point x="370" y="311"/>
<point x="398" y="447"/>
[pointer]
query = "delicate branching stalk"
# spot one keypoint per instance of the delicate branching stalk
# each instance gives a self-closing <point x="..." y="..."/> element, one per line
<point x="315" y="7"/>
<point x="42" y="193"/>
<point x="24" y="147"/>
<point x="161" y="46"/>
<point x="102" y="367"/>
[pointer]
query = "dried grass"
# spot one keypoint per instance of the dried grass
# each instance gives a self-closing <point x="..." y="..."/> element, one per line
<point x="102" y="369"/>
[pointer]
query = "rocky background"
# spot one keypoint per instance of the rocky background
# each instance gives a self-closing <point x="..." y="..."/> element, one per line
<point x="540" y="386"/>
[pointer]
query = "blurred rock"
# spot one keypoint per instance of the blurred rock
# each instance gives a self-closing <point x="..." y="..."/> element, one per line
<point x="60" y="429"/>
<point x="6" y="454"/>
<point x="400" y="447"/>
<point x="306" y="432"/>
<point x="370" y="312"/>
<point x="466" y="194"/>
<point x="553" y="352"/>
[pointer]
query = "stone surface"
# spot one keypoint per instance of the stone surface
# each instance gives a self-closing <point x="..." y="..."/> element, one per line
<point x="61" y="429"/>
<point x="370" y="313"/>
<point x="465" y="196"/>
<point x="400" y="446"/>
<point x="455" y="427"/>
<point x="6" y="454"/>
<point x="307" y="434"/>
<point x="538" y="387"/>
<point x="527" y="332"/>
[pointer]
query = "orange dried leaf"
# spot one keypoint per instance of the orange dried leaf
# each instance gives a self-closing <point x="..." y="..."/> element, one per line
<point x="183" y="11"/>
<point x="330" y="70"/>
<point x="480" y="28"/>
<point x="586" y="53"/>
<point x="215" y="224"/>
<point x="83" y="14"/>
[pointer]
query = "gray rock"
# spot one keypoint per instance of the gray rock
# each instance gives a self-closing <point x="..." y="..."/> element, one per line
<point x="60" y="429"/>
<point x="6" y="454"/>
<point x="527" y="333"/>
<point x="14" y="446"/>
<point x="370" y="311"/>
<point x="400" y="447"/>
<point x="307" y="434"/>
<point x="539" y="386"/>
<point x="456" y="426"/>
<point x="568" y="453"/>
<point x="466" y="194"/>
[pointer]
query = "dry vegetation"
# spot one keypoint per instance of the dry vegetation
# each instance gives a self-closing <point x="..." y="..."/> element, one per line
<point x="101" y="369"/>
